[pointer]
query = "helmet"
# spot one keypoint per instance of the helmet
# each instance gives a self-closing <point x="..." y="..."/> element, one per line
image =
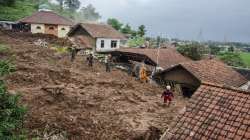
<point x="168" y="87"/>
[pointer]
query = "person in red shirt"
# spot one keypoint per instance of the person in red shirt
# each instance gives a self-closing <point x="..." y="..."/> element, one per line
<point x="167" y="95"/>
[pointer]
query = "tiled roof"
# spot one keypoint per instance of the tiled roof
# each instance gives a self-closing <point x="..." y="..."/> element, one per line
<point x="83" y="42"/>
<point x="167" y="56"/>
<point x="214" y="112"/>
<point x="215" y="71"/>
<point x="99" y="31"/>
<point x="46" y="17"/>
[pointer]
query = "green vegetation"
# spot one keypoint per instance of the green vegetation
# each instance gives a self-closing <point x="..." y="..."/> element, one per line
<point x="232" y="59"/>
<point x="14" y="10"/>
<point x="6" y="68"/>
<point x="245" y="58"/>
<point x="11" y="113"/>
<point x="136" y="41"/>
<point x="17" y="10"/>
<point x="3" y="48"/>
<point x="141" y="30"/>
<point x="193" y="51"/>
<point x="60" y="49"/>
<point x="115" y="23"/>
<point x="126" y="28"/>
<point x="214" y="50"/>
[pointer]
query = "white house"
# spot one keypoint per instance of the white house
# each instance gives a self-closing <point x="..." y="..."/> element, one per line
<point x="99" y="37"/>
<point x="48" y="22"/>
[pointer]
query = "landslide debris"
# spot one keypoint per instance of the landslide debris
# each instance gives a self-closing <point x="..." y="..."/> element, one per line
<point x="72" y="101"/>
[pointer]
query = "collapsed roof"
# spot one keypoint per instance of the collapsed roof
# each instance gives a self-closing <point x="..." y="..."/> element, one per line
<point x="98" y="31"/>
<point x="46" y="17"/>
<point x="214" y="112"/>
<point x="166" y="57"/>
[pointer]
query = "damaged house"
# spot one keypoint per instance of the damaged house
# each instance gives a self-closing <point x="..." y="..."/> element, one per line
<point x="154" y="58"/>
<point x="47" y="22"/>
<point x="214" y="112"/>
<point x="190" y="75"/>
<point x="98" y="37"/>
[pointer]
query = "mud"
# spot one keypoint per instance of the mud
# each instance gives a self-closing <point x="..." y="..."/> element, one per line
<point x="79" y="102"/>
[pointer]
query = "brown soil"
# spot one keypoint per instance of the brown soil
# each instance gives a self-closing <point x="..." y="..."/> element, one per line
<point x="82" y="102"/>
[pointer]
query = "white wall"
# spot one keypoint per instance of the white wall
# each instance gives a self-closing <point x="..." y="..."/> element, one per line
<point x="246" y="86"/>
<point x="34" y="29"/>
<point x="107" y="45"/>
<point x="63" y="33"/>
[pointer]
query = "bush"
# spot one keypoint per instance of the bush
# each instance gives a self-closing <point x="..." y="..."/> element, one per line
<point x="135" y="42"/>
<point x="6" y="68"/>
<point x="232" y="59"/>
<point x="193" y="51"/>
<point x="11" y="114"/>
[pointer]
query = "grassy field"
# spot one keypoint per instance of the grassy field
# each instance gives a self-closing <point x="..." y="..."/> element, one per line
<point x="246" y="58"/>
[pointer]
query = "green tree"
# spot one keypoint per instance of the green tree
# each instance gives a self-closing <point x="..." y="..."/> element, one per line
<point x="126" y="29"/>
<point x="60" y="4"/>
<point x="231" y="49"/>
<point x="141" y="30"/>
<point x="7" y="2"/>
<point x="133" y="33"/>
<point x="214" y="50"/>
<point x="193" y="51"/>
<point x="116" y="24"/>
<point x="18" y="10"/>
<point x="11" y="113"/>
<point x="88" y="14"/>
<point x="73" y="5"/>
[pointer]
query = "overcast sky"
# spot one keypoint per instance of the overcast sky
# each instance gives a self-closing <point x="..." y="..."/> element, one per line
<point x="186" y="19"/>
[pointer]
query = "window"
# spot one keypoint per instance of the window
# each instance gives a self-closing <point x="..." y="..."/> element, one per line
<point x="113" y="44"/>
<point x="102" y="44"/>
<point x="63" y="29"/>
<point x="38" y="27"/>
<point x="51" y="28"/>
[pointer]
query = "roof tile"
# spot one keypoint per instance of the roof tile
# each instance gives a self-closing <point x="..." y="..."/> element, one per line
<point x="215" y="71"/>
<point x="226" y="118"/>
<point x="167" y="57"/>
<point x="99" y="30"/>
<point x="47" y="17"/>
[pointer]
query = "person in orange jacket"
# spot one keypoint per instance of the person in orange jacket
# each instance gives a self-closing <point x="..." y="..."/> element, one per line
<point x="143" y="74"/>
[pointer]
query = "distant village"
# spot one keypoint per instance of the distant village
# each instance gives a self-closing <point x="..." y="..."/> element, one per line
<point x="218" y="92"/>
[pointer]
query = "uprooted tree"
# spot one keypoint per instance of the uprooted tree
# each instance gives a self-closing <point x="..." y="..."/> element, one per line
<point x="11" y="113"/>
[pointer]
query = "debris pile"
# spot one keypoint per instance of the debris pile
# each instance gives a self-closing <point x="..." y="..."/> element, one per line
<point x="82" y="102"/>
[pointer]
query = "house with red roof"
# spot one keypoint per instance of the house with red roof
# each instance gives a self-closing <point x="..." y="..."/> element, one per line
<point x="48" y="22"/>
<point x="215" y="112"/>
<point x="162" y="58"/>
<point x="190" y="75"/>
<point x="98" y="37"/>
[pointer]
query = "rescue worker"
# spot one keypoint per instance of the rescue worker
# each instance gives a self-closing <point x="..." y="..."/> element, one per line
<point x="167" y="95"/>
<point x="107" y="62"/>
<point x="73" y="53"/>
<point x="137" y="71"/>
<point x="143" y="74"/>
<point x="90" y="59"/>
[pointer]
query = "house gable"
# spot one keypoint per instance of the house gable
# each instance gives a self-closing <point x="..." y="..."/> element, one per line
<point x="180" y="75"/>
<point x="78" y="30"/>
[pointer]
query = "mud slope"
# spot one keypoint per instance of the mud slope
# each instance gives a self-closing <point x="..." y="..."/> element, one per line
<point x="80" y="102"/>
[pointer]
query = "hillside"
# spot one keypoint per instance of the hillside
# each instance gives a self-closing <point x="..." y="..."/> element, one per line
<point x="72" y="101"/>
<point x="20" y="9"/>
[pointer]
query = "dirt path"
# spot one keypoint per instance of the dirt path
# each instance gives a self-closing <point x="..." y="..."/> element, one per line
<point x="79" y="102"/>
